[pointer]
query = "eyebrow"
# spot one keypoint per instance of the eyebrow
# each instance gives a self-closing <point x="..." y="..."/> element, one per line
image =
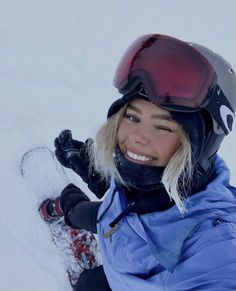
<point x="155" y="116"/>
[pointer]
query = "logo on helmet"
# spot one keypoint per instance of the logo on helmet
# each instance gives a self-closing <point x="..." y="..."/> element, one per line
<point x="227" y="117"/>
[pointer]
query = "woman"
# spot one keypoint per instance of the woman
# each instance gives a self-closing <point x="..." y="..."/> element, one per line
<point x="167" y="221"/>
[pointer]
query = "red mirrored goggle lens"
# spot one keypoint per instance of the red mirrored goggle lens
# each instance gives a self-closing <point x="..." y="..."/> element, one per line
<point x="172" y="72"/>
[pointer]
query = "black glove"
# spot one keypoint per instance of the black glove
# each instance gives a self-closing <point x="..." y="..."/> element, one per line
<point x="73" y="154"/>
<point x="71" y="196"/>
<point x="66" y="147"/>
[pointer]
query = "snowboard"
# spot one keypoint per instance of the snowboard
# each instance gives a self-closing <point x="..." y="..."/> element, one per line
<point x="46" y="178"/>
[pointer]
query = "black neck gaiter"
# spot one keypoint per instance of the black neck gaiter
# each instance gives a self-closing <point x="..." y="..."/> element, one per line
<point x="141" y="177"/>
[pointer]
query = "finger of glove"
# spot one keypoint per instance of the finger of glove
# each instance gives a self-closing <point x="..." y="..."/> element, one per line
<point x="61" y="158"/>
<point x="89" y="141"/>
<point x="63" y="154"/>
<point x="77" y="144"/>
<point x="57" y="144"/>
<point x="65" y="138"/>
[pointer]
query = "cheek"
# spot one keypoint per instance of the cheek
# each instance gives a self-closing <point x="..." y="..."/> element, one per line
<point x="165" y="148"/>
<point x="173" y="147"/>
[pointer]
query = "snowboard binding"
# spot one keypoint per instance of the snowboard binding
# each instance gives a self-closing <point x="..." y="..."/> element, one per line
<point x="50" y="210"/>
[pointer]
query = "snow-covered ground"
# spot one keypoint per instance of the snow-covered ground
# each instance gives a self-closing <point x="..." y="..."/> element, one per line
<point x="57" y="60"/>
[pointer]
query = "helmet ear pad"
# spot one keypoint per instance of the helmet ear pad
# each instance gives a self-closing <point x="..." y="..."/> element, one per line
<point x="195" y="126"/>
<point x="204" y="141"/>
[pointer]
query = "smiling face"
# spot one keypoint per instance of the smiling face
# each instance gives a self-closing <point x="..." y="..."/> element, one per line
<point x="147" y="134"/>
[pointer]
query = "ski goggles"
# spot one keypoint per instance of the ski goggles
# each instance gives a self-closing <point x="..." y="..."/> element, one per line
<point x="174" y="74"/>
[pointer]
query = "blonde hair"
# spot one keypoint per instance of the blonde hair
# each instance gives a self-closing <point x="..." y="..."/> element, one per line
<point x="177" y="174"/>
<point x="101" y="154"/>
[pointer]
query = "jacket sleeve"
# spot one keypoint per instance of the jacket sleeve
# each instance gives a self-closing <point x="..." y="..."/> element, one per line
<point x="208" y="263"/>
<point x="92" y="178"/>
<point x="84" y="215"/>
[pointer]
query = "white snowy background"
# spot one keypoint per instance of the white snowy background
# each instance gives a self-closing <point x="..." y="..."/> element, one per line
<point x="57" y="60"/>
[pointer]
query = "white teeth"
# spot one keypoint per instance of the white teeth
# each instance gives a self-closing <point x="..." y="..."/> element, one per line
<point x="138" y="157"/>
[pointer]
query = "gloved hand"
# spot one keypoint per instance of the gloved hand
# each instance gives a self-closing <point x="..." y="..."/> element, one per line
<point x="66" y="147"/>
<point x="71" y="196"/>
<point x="73" y="154"/>
<point x="50" y="209"/>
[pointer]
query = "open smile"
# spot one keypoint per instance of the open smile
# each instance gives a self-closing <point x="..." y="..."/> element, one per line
<point x="138" y="158"/>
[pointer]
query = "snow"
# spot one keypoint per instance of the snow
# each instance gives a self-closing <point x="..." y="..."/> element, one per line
<point x="57" y="60"/>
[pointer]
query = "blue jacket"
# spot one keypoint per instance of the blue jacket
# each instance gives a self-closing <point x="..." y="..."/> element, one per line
<point x="168" y="251"/>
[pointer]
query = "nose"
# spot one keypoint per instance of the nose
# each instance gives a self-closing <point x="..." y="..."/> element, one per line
<point x="140" y="136"/>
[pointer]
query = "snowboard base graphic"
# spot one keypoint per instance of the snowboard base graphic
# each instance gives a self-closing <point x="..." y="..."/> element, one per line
<point x="46" y="178"/>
